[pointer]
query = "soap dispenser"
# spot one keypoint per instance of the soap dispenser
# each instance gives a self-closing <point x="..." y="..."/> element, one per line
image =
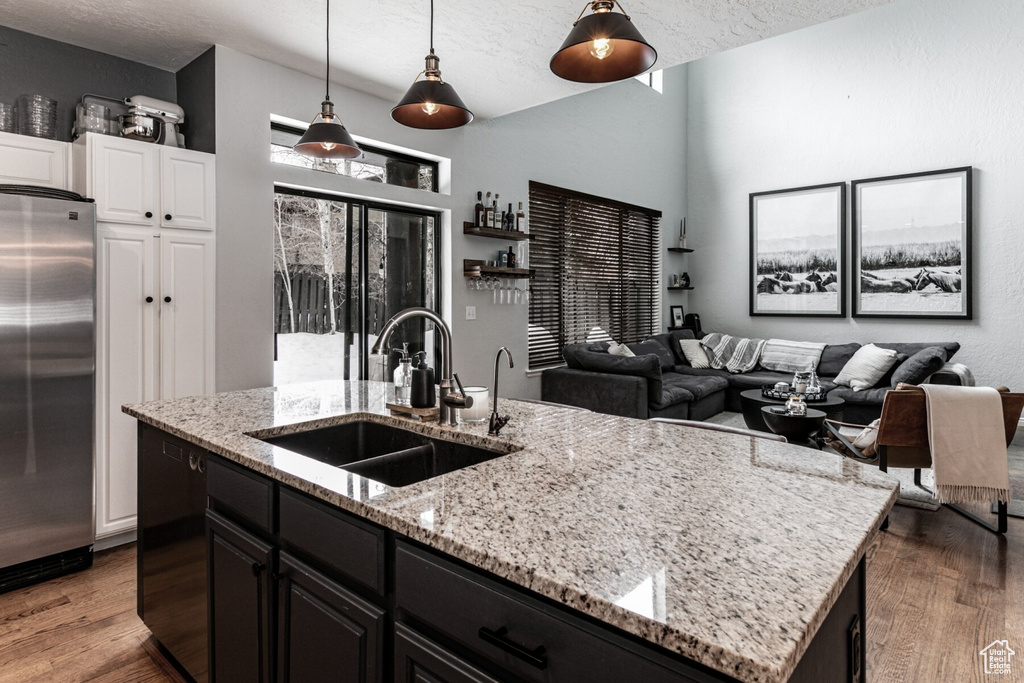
<point x="423" y="395"/>
<point x="403" y="376"/>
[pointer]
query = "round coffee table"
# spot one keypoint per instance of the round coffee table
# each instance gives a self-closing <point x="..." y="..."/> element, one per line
<point x="752" y="400"/>
<point x="798" y="429"/>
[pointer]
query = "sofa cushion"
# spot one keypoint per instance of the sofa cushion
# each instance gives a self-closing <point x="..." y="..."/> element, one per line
<point x="569" y="352"/>
<point x="677" y="388"/>
<point x="646" y="366"/>
<point x="910" y="348"/>
<point x="920" y="366"/>
<point x="867" y="367"/>
<point x="620" y="350"/>
<point x="673" y="391"/>
<point x="754" y="380"/>
<point x="834" y="357"/>
<point x="683" y="369"/>
<point x="674" y="336"/>
<point x="694" y="354"/>
<point x="652" y="347"/>
<point x="866" y="397"/>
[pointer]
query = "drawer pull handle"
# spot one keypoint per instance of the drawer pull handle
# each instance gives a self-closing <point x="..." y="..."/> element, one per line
<point x="499" y="639"/>
<point x="192" y="461"/>
<point x="258" y="568"/>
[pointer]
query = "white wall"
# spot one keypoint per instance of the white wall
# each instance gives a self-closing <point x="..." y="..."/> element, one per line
<point x="625" y="141"/>
<point x="912" y="86"/>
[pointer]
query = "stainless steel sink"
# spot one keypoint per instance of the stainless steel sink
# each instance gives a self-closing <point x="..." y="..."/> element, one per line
<point x="390" y="455"/>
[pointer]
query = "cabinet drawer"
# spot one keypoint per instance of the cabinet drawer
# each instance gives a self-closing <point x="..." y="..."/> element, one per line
<point x="523" y="636"/>
<point x="247" y="496"/>
<point x="419" y="659"/>
<point x="350" y="547"/>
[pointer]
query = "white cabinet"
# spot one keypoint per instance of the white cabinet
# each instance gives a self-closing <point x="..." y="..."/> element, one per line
<point x="25" y="160"/>
<point x="147" y="184"/>
<point x="155" y="313"/>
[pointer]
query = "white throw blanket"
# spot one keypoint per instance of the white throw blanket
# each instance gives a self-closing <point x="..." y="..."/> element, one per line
<point x="734" y="354"/>
<point x="782" y="355"/>
<point x="968" y="443"/>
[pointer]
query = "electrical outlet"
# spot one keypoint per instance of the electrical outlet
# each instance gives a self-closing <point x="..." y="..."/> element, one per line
<point x="470" y="312"/>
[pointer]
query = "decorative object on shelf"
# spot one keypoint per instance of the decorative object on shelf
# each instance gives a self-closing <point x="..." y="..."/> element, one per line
<point x="682" y="234"/>
<point x="37" y="116"/>
<point x="912" y="245"/>
<point x="603" y="47"/>
<point x="328" y="139"/>
<point x="684" y="280"/>
<point x="431" y="104"/>
<point x="6" y="118"/>
<point x="677" y="315"/>
<point x="784" y="391"/>
<point x="798" y="248"/>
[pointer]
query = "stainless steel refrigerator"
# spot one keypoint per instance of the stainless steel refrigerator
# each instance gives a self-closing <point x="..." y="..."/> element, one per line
<point x="47" y="367"/>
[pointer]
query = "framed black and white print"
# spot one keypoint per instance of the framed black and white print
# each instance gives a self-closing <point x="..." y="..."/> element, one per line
<point x="677" y="315"/>
<point x="912" y="245"/>
<point x="798" y="251"/>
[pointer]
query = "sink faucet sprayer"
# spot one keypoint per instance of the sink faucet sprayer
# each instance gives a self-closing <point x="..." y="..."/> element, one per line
<point x="450" y="400"/>
<point x="498" y="422"/>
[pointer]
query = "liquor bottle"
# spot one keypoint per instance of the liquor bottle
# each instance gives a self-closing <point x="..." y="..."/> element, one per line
<point x="510" y="219"/>
<point x="520" y="219"/>
<point x="511" y="255"/>
<point x="479" y="210"/>
<point x="496" y="217"/>
<point x="488" y="215"/>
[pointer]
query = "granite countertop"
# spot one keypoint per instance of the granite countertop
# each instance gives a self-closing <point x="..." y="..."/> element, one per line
<point x="728" y="550"/>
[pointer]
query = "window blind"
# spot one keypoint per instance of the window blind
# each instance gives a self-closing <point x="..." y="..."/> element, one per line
<point x="596" y="265"/>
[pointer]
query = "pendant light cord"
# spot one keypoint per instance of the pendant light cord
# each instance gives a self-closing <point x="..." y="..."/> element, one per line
<point x="327" y="76"/>
<point x="431" y="26"/>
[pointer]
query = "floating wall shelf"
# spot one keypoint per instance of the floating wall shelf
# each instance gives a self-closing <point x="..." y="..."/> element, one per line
<point x="514" y="235"/>
<point x="473" y="268"/>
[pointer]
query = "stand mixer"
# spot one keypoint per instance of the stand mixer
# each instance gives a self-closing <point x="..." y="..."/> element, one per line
<point x="152" y="120"/>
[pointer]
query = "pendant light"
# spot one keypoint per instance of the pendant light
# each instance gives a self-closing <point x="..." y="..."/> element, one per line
<point x="431" y="103"/>
<point x="603" y="47"/>
<point x="328" y="138"/>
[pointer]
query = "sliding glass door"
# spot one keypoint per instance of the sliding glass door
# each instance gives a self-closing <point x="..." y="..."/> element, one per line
<point x="342" y="268"/>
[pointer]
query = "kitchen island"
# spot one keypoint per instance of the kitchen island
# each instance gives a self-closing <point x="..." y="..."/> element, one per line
<point x="717" y="549"/>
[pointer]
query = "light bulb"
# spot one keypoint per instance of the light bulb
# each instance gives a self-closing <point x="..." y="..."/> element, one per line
<point x="601" y="47"/>
<point x="429" y="108"/>
<point x="328" y="145"/>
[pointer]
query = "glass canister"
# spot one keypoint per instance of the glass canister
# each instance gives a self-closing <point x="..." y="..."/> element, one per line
<point x="801" y="380"/>
<point x="795" y="405"/>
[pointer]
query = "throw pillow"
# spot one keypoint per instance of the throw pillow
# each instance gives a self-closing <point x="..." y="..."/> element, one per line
<point x="920" y="366"/>
<point x="653" y="348"/>
<point x="694" y="353"/>
<point x="867" y="366"/>
<point x="620" y="350"/>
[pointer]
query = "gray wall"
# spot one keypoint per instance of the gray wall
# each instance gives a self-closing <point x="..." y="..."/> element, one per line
<point x="912" y="86"/>
<point x="197" y="95"/>
<point x="39" y="66"/>
<point x="625" y="141"/>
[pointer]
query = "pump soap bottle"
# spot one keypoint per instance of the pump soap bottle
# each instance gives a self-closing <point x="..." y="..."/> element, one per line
<point x="423" y="394"/>
<point x="403" y="376"/>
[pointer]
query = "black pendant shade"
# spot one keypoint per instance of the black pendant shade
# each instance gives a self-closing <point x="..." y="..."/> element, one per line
<point x="603" y="47"/>
<point x="327" y="138"/>
<point x="432" y="104"/>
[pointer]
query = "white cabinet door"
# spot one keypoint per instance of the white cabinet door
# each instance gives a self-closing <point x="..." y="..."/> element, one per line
<point x="187" y="270"/>
<point x="123" y="180"/>
<point x="187" y="181"/>
<point x="26" y="160"/>
<point x="126" y="343"/>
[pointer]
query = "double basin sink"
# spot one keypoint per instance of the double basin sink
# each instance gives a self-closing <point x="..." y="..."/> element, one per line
<point x="391" y="455"/>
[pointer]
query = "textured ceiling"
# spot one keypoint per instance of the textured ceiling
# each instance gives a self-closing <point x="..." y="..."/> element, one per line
<point x="494" y="53"/>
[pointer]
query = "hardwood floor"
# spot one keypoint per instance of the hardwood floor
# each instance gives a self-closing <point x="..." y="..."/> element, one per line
<point x="939" y="590"/>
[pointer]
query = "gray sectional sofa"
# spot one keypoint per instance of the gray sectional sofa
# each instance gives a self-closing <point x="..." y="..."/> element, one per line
<point x="659" y="382"/>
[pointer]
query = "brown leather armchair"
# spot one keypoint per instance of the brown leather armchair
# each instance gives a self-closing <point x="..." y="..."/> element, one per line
<point x="902" y="439"/>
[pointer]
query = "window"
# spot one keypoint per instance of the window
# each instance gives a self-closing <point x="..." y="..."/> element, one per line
<point x="597" y="271"/>
<point x="342" y="268"/>
<point x="652" y="79"/>
<point x="376" y="165"/>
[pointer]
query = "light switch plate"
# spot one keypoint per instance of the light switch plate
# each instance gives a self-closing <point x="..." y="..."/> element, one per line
<point x="470" y="312"/>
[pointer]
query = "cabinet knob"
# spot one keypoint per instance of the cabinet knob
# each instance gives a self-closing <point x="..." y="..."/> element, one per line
<point x="167" y="299"/>
<point x="149" y="299"/>
<point x="149" y="214"/>
<point x="257" y="568"/>
<point x="201" y="465"/>
<point x="192" y="461"/>
<point x="167" y="216"/>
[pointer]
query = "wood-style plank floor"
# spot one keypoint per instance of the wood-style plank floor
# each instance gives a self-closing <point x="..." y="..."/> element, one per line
<point x="939" y="590"/>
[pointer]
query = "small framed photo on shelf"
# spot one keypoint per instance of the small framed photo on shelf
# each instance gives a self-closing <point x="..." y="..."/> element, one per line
<point x="677" y="315"/>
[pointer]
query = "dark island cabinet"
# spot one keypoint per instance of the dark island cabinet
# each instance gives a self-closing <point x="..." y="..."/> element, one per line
<point x="240" y="607"/>
<point x="420" y="660"/>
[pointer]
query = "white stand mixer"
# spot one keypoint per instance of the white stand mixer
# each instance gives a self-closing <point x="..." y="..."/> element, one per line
<point x="153" y="120"/>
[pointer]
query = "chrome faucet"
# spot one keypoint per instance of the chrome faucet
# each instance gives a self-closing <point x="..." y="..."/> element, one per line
<point x="498" y="422"/>
<point x="450" y="400"/>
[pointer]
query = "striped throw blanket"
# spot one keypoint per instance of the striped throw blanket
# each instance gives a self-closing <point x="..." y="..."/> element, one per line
<point x="734" y="354"/>
<point x="782" y="355"/>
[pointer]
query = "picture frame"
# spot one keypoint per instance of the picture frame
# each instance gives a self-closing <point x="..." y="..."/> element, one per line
<point x="798" y="252"/>
<point x="912" y="238"/>
<point x="676" y="315"/>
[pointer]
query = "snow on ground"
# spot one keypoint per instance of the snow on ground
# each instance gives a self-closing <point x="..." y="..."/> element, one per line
<point x="304" y="357"/>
